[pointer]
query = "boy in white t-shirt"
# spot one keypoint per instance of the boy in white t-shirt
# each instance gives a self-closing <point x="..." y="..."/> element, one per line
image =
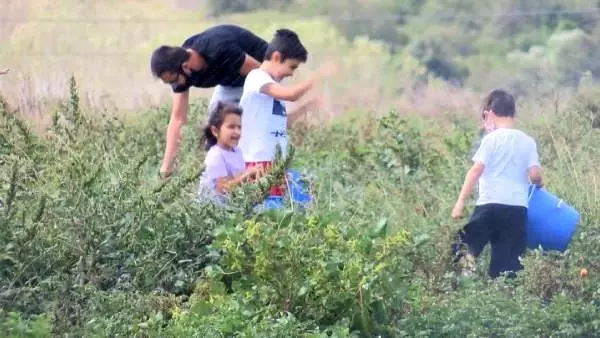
<point x="504" y="164"/>
<point x="266" y="120"/>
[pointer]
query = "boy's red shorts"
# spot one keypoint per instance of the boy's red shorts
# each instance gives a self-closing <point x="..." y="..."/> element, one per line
<point x="277" y="190"/>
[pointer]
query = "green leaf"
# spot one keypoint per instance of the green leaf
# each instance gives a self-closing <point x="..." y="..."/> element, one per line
<point x="303" y="290"/>
<point x="379" y="311"/>
<point x="422" y="239"/>
<point x="286" y="220"/>
<point x="381" y="228"/>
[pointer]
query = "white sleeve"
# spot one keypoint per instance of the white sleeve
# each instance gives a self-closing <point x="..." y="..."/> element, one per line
<point x="484" y="152"/>
<point x="257" y="79"/>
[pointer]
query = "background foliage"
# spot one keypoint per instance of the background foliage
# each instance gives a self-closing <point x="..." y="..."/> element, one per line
<point x="415" y="56"/>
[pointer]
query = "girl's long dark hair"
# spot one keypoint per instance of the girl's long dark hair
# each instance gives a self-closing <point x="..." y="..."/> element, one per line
<point x="216" y="119"/>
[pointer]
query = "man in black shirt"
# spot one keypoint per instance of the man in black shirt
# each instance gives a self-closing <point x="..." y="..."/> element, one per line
<point x="220" y="57"/>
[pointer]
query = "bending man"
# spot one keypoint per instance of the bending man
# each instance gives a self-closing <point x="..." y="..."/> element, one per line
<point x="219" y="57"/>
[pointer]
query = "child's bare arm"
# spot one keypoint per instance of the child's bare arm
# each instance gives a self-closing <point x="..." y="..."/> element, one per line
<point x="292" y="94"/>
<point x="471" y="178"/>
<point x="534" y="171"/>
<point x="224" y="184"/>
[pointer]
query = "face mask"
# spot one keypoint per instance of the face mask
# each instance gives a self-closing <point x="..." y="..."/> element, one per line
<point x="488" y="124"/>
<point x="182" y="72"/>
<point x="186" y="78"/>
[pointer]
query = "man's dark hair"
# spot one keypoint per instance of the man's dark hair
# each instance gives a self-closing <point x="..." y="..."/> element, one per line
<point x="167" y="59"/>
<point x="501" y="103"/>
<point x="287" y="43"/>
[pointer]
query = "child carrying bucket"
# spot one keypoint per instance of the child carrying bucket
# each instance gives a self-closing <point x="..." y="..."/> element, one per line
<point x="224" y="162"/>
<point x="504" y="163"/>
<point x="266" y="118"/>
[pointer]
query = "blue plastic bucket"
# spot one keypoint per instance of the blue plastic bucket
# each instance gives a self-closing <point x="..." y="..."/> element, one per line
<point x="271" y="202"/>
<point x="298" y="193"/>
<point x="551" y="222"/>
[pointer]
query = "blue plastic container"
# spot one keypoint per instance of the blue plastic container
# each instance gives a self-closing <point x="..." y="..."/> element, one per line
<point x="551" y="222"/>
<point x="272" y="202"/>
<point x="296" y="191"/>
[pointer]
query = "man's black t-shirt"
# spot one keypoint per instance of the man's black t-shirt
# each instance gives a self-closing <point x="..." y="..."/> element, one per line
<point x="223" y="48"/>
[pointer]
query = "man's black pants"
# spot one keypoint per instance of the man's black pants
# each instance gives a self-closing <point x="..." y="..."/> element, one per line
<point x="501" y="225"/>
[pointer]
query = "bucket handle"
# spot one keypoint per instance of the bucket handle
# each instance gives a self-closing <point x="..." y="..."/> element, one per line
<point x="558" y="205"/>
<point x="531" y="193"/>
<point x="287" y="183"/>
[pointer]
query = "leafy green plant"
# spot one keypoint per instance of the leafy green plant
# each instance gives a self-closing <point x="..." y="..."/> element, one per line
<point x="93" y="243"/>
<point x="315" y="270"/>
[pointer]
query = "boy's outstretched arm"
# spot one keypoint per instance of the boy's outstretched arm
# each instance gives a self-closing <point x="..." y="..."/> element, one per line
<point x="293" y="93"/>
<point x="279" y="92"/>
<point x="472" y="176"/>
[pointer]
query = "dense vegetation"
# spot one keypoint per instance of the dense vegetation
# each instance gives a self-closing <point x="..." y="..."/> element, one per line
<point x="93" y="244"/>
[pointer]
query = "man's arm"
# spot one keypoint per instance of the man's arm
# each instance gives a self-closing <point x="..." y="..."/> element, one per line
<point x="176" y="122"/>
<point x="249" y="64"/>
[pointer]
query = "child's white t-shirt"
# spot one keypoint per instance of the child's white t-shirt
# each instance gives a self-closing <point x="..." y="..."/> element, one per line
<point x="507" y="155"/>
<point x="264" y="120"/>
<point x="219" y="162"/>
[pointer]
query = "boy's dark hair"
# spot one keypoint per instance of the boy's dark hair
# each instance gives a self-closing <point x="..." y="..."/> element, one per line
<point x="501" y="103"/>
<point x="287" y="43"/>
<point x="217" y="117"/>
<point x="167" y="59"/>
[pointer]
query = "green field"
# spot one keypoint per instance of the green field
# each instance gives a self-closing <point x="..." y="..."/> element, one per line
<point x="93" y="244"/>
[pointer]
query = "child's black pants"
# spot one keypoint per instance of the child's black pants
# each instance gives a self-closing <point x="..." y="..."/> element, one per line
<point x="504" y="227"/>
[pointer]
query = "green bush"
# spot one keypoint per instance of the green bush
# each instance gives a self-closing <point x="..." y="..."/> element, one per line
<point x="317" y="271"/>
<point x="82" y="208"/>
<point x="92" y="243"/>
